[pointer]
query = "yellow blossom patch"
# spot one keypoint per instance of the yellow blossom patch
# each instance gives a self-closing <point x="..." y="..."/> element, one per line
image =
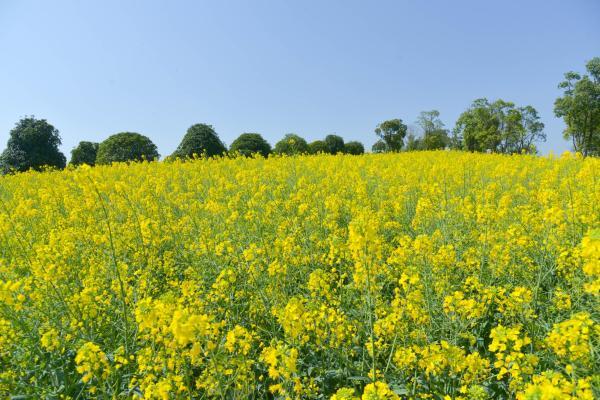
<point x="421" y="275"/>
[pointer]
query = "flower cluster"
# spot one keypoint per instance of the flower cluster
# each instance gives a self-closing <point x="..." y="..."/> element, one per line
<point x="91" y="362"/>
<point x="421" y="275"/>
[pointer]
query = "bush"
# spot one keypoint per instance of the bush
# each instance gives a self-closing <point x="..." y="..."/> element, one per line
<point x="84" y="153"/>
<point x="318" y="146"/>
<point x="33" y="144"/>
<point x="355" y="148"/>
<point x="335" y="144"/>
<point x="291" y="144"/>
<point x="126" y="146"/>
<point x="200" y="140"/>
<point x="251" y="143"/>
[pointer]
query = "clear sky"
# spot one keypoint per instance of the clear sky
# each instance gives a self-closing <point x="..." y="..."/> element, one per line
<point x="93" y="69"/>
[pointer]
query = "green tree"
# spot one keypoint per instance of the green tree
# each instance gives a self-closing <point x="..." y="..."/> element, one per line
<point x="392" y="132"/>
<point x="335" y="144"/>
<point x="33" y="144"/>
<point x="379" y="147"/>
<point x="354" y="148"/>
<point x="430" y="121"/>
<point x="478" y="127"/>
<point x="200" y="139"/>
<point x="413" y="143"/>
<point x="318" y="146"/>
<point x="84" y="153"/>
<point x="499" y="126"/>
<point x="434" y="135"/>
<point x="580" y="108"/>
<point x="250" y="143"/>
<point x="125" y="147"/>
<point x="291" y="144"/>
<point x="436" y="140"/>
<point x="526" y="130"/>
<point x="456" y="141"/>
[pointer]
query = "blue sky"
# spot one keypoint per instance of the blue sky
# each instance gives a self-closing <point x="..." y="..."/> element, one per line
<point x="311" y="67"/>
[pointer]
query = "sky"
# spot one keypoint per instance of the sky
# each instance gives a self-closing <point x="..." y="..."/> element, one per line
<point x="93" y="69"/>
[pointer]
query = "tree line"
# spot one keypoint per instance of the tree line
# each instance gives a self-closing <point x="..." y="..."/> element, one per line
<point x="486" y="126"/>
<point x="34" y="144"/>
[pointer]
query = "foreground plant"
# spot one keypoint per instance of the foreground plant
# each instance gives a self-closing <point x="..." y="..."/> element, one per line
<point x="421" y="275"/>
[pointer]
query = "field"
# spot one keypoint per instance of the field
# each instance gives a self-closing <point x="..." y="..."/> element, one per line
<point x="440" y="275"/>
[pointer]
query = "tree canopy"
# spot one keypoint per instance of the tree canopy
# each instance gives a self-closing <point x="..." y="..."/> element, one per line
<point x="392" y="133"/>
<point x="291" y="144"/>
<point x="33" y="144"/>
<point x="379" y="147"/>
<point x="199" y="140"/>
<point x="84" y="153"/>
<point x="580" y="108"/>
<point x="335" y="144"/>
<point x="354" y="148"/>
<point x="126" y="146"/>
<point x="318" y="146"/>
<point x="434" y="135"/>
<point x="499" y="126"/>
<point x="413" y="143"/>
<point x="251" y="143"/>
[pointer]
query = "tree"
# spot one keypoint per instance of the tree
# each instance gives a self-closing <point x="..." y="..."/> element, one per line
<point x="291" y="144"/>
<point x="499" y="126"/>
<point x="527" y="131"/>
<point x="125" y="147"/>
<point x="456" y="141"/>
<point x="392" y="133"/>
<point x="430" y="121"/>
<point x="354" y="148"/>
<point x="379" y="147"/>
<point x="84" y="153"/>
<point x="251" y="143"/>
<point x="436" y="140"/>
<point x="318" y="146"/>
<point x="200" y="139"/>
<point x="335" y="144"/>
<point x="33" y="144"/>
<point x="413" y="143"/>
<point x="434" y="135"/>
<point x="478" y="127"/>
<point x="580" y="108"/>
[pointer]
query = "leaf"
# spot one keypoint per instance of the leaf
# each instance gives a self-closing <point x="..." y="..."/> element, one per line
<point x="399" y="389"/>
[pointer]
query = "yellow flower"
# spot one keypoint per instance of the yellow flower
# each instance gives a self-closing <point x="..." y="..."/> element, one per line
<point x="378" y="391"/>
<point x="344" y="394"/>
<point x="571" y="340"/>
<point x="50" y="340"/>
<point x="91" y="362"/>
<point x="302" y="277"/>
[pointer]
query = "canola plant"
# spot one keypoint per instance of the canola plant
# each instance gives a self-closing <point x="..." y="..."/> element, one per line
<point x="426" y="275"/>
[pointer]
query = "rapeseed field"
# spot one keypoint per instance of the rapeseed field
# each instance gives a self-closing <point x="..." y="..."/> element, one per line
<point x="424" y="275"/>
